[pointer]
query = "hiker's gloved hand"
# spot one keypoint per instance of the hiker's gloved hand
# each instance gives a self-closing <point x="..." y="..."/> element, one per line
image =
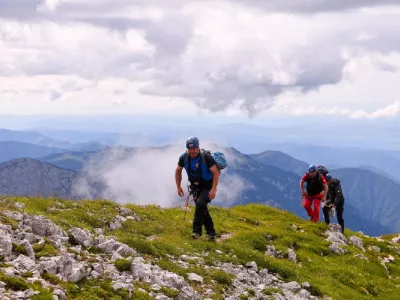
<point x="211" y="194"/>
<point x="304" y="194"/>
<point x="180" y="192"/>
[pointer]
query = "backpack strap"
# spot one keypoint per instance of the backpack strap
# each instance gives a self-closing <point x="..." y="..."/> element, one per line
<point x="186" y="159"/>
<point x="203" y="159"/>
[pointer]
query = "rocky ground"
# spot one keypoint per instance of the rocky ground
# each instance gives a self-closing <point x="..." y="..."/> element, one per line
<point x="35" y="249"/>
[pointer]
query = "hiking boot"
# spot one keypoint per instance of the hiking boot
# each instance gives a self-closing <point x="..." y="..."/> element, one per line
<point x="195" y="235"/>
<point x="210" y="237"/>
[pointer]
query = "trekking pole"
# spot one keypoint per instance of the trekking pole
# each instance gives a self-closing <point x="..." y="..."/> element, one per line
<point x="186" y="207"/>
<point x="187" y="203"/>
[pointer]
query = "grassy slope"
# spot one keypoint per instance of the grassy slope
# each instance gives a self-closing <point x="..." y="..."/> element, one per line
<point x="162" y="233"/>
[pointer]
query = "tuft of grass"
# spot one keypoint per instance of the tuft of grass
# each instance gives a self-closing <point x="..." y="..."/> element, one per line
<point x="123" y="264"/>
<point x="19" y="249"/>
<point x="94" y="250"/>
<point x="97" y="289"/>
<point x="222" y="277"/>
<point x="170" y="292"/>
<point x="53" y="279"/>
<point x="271" y="290"/>
<point x="27" y="274"/>
<point x="9" y="221"/>
<point x="14" y="283"/>
<point x="44" y="295"/>
<point x="46" y="249"/>
<point x="251" y="292"/>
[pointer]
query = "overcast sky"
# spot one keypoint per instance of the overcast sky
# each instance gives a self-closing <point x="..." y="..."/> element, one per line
<point x="236" y="58"/>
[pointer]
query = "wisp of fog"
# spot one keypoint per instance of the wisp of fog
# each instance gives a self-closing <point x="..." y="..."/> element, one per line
<point x="146" y="175"/>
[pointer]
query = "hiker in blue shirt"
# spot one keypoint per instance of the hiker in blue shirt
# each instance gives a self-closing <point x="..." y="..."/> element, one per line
<point x="203" y="177"/>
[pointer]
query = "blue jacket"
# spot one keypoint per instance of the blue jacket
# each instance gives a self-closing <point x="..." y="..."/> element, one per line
<point x="198" y="167"/>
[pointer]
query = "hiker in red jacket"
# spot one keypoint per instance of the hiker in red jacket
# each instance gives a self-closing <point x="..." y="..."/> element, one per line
<point x="316" y="191"/>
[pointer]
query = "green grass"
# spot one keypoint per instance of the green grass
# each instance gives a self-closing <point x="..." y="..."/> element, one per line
<point x="96" y="289"/>
<point x="123" y="264"/>
<point x="271" y="291"/>
<point x="162" y="233"/>
<point x="46" y="249"/>
<point x="20" y="284"/>
<point x="19" y="248"/>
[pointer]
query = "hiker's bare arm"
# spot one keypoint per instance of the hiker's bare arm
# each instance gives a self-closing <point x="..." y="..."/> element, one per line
<point x="178" y="176"/>
<point x="215" y="173"/>
<point x="326" y="188"/>
<point x="302" y="186"/>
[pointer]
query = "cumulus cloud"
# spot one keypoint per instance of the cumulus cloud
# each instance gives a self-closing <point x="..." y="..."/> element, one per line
<point x="232" y="55"/>
<point x="246" y="64"/>
<point x="75" y="49"/>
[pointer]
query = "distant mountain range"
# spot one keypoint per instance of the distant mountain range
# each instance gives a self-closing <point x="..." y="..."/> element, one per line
<point x="12" y="149"/>
<point x="32" y="138"/>
<point x="372" y="195"/>
<point x="382" y="161"/>
<point x="11" y="139"/>
<point x="281" y="160"/>
<point x="263" y="183"/>
<point x="270" y="177"/>
<point x="246" y="138"/>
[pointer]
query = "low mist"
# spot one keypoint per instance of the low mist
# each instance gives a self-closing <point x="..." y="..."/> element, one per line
<point x="146" y="175"/>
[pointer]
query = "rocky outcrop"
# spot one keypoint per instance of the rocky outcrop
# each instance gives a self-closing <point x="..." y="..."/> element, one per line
<point x="38" y="250"/>
<point x="71" y="260"/>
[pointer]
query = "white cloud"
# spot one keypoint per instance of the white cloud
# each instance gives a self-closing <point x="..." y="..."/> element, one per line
<point x="147" y="176"/>
<point x="389" y="111"/>
<point x="236" y="56"/>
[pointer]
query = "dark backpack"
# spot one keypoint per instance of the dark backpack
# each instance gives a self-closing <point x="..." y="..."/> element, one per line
<point x="219" y="158"/>
<point x="322" y="170"/>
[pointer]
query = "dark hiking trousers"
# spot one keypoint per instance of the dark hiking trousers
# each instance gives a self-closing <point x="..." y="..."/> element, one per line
<point x="339" y="215"/>
<point x="201" y="214"/>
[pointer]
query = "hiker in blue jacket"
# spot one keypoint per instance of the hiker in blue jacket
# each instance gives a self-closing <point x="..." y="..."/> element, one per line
<point x="203" y="177"/>
<point x="334" y="199"/>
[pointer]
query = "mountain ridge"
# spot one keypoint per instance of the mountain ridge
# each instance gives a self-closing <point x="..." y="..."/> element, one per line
<point x="15" y="149"/>
<point x="32" y="177"/>
<point x="261" y="183"/>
